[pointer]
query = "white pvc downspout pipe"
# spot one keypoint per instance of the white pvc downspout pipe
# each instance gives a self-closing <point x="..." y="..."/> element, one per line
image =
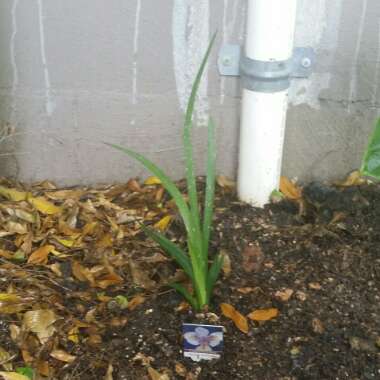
<point x="270" y="37"/>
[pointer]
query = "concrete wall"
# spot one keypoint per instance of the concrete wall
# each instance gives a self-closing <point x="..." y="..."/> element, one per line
<point x="74" y="73"/>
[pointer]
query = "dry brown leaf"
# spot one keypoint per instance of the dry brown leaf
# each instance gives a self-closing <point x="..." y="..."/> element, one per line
<point x="109" y="280"/>
<point x="289" y="189"/>
<point x="159" y="194"/>
<point x="65" y="194"/>
<point x="354" y="179"/>
<point x="106" y="241"/>
<point x="40" y="322"/>
<point x="94" y="340"/>
<point x="108" y="375"/>
<point x="180" y="369"/>
<point x="16" y="228"/>
<point x="315" y="285"/>
<point x="81" y="273"/>
<point x="43" y="368"/>
<point x="263" y="314"/>
<point x="135" y="301"/>
<point x="62" y="356"/>
<point x="230" y="312"/>
<point x="226" y="268"/>
<point x="155" y="375"/>
<point x="284" y="295"/>
<point x="225" y="182"/>
<point x="253" y="258"/>
<point x="317" y="326"/>
<point x="15" y="332"/>
<point x="246" y="290"/>
<point x="40" y="256"/>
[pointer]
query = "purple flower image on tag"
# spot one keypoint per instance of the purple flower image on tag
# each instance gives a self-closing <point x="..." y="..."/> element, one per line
<point x="202" y="341"/>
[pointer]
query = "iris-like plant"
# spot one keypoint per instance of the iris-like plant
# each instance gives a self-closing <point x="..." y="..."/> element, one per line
<point x="371" y="159"/>
<point x="194" y="262"/>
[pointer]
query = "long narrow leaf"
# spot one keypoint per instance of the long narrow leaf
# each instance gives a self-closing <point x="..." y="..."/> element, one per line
<point x="189" y="162"/>
<point x="210" y="187"/>
<point x="166" y="182"/>
<point x="213" y="274"/>
<point x="175" y="252"/>
<point x="195" y="87"/>
<point x="184" y="292"/>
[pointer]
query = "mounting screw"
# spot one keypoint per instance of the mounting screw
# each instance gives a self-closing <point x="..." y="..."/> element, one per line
<point x="227" y="61"/>
<point x="306" y="62"/>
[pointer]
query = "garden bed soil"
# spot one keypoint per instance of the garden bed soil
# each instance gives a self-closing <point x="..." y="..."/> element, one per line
<point x="322" y="253"/>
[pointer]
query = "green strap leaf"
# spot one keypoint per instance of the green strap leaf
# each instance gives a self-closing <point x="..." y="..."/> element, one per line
<point x="185" y="293"/>
<point x="210" y="187"/>
<point x="213" y="274"/>
<point x="175" y="252"/>
<point x="190" y="175"/>
<point x="166" y="182"/>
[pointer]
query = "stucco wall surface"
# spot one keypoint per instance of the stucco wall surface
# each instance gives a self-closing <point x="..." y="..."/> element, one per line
<point x="74" y="73"/>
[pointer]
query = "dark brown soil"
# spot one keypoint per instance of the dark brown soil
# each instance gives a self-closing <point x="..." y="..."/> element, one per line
<point x="329" y="256"/>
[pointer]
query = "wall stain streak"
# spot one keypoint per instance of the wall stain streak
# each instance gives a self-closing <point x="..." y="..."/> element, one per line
<point x="15" y="80"/>
<point x="375" y="93"/>
<point x="354" y="69"/>
<point x="49" y="103"/>
<point x="190" y="30"/>
<point x="224" y="40"/>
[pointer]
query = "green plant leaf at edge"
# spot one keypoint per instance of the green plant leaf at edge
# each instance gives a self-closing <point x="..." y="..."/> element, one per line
<point x="371" y="159"/>
<point x="210" y="186"/>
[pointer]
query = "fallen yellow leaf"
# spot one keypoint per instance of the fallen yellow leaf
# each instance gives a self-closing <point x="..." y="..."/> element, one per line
<point x="66" y="242"/>
<point x="13" y="376"/>
<point x="13" y="194"/>
<point x="263" y="314"/>
<point x="230" y="312"/>
<point x="163" y="223"/>
<point x="5" y="359"/>
<point x="11" y="303"/>
<point x="289" y="189"/>
<point x="44" y="206"/>
<point x="40" y="256"/>
<point x="152" y="181"/>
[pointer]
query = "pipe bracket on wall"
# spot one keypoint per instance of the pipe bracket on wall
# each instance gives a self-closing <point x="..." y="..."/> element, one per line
<point x="265" y="76"/>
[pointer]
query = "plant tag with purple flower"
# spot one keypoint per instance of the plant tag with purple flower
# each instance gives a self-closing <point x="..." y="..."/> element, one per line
<point x="202" y="342"/>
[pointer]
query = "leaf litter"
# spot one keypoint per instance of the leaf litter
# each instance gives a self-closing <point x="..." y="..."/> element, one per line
<point x="84" y="290"/>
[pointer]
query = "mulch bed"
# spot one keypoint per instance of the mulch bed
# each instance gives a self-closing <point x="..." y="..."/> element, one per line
<point x="316" y="260"/>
